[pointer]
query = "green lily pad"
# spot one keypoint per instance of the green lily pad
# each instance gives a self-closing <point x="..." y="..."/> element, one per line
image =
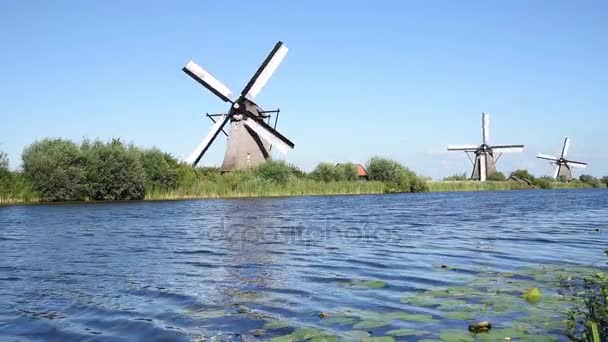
<point x="371" y="324"/>
<point x="406" y="332"/>
<point x="277" y="324"/>
<point x="461" y="315"/>
<point x="379" y="339"/>
<point x="409" y="317"/>
<point x="456" y="336"/>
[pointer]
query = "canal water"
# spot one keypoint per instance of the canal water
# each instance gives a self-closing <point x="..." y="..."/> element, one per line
<point x="388" y="267"/>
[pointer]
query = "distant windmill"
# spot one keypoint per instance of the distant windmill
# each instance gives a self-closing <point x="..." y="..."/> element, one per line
<point x="486" y="155"/>
<point x="250" y="137"/>
<point x="563" y="167"/>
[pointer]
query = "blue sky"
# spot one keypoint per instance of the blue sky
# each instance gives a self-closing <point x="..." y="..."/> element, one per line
<point x="400" y="79"/>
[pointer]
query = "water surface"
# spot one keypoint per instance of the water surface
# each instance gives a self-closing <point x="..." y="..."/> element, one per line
<point x="254" y="269"/>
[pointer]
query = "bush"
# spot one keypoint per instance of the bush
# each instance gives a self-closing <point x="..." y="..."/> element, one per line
<point x="604" y="180"/>
<point x="498" y="177"/>
<point x="396" y="177"/>
<point x="346" y="172"/>
<point x="324" y="172"/>
<point x="457" y="177"/>
<point x="55" y="167"/>
<point x="159" y="167"/>
<point x="275" y="171"/>
<point x="544" y="182"/>
<point x="113" y="171"/>
<point x="589" y="179"/>
<point x="522" y="173"/>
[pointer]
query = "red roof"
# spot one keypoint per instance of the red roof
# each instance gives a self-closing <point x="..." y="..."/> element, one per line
<point x="361" y="172"/>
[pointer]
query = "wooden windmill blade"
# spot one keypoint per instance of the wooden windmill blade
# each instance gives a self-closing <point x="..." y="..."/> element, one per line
<point x="200" y="150"/>
<point x="207" y="80"/>
<point x="250" y="138"/>
<point x="547" y="157"/>
<point x="565" y="147"/>
<point x="265" y="71"/>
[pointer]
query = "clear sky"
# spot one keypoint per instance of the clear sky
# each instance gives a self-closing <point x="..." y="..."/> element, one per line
<point x="400" y="79"/>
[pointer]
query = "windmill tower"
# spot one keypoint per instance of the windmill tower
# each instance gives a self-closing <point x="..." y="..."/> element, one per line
<point x="250" y="137"/>
<point x="563" y="167"/>
<point x="486" y="155"/>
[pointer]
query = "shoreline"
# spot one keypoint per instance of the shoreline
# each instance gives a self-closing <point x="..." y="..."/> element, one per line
<point x="433" y="187"/>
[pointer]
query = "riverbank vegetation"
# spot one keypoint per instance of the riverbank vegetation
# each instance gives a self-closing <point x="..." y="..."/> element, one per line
<point x="58" y="170"/>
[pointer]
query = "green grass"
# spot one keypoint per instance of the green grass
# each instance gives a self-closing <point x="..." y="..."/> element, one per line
<point x="438" y="186"/>
<point x="255" y="187"/>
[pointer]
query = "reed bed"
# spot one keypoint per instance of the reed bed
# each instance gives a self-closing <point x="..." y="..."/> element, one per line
<point x="261" y="188"/>
<point x="443" y="186"/>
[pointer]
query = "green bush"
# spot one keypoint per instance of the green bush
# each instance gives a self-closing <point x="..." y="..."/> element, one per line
<point x="324" y="172"/>
<point x="395" y="176"/>
<point x="589" y="179"/>
<point x="522" y="173"/>
<point x="160" y="168"/>
<point x="346" y="172"/>
<point x="55" y="168"/>
<point x="498" y="177"/>
<point x="275" y="171"/>
<point x="544" y="182"/>
<point x="604" y="180"/>
<point x="114" y="172"/>
<point x="457" y="177"/>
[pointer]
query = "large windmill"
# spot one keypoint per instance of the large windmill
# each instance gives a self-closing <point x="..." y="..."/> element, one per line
<point x="250" y="138"/>
<point x="563" y="167"/>
<point x="486" y="155"/>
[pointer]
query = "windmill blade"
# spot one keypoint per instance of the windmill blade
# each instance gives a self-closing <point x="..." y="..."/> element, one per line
<point x="485" y="127"/>
<point x="200" y="150"/>
<point x="462" y="147"/>
<point x="576" y="164"/>
<point x="508" y="148"/>
<point x="482" y="168"/>
<point x="546" y="157"/>
<point x="565" y="147"/>
<point x="262" y="75"/>
<point x="269" y="134"/>
<point x="207" y="80"/>
<point x="556" y="172"/>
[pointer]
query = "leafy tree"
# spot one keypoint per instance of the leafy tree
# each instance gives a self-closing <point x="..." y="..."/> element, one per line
<point x="113" y="172"/>
<point x="604" y="180"/>
<point x="55" y="167"/>
<point x="275" y="171"/>
<point x="346" y="172"/>
<point x="397" y="177"/>
<point x="497" y="176"/>
<point x="324" y="172"/>
<point x="159" y="167"/>
<point x="522" y="173"/>
<point x="589" y="179"/>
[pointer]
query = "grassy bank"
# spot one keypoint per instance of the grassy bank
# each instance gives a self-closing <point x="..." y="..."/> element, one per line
<point x="442" y="186"/>
<point x="261" y="188"/>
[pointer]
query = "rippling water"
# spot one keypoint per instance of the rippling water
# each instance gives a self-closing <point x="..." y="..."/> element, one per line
<point x="258" y="268"/>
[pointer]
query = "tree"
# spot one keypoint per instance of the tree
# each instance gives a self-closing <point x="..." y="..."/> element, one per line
<point x="604" y="180"/>
<point x="275" y="171"/>
<point x="324" y="172"/>
<point x="55" y="167"/>
<point x="3" y="162"/>
<point x="113" y="172"/>
<point x="589" y="179"/>
<point x="397" y="177"/>
<point x="160" y="168"/>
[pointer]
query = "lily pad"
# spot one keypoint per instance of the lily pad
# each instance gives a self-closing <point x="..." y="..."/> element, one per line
<point x="406" y="332"/>
<point x="456" y="336"/>
<point x="369" y="284"/>
<point x="371" y="324"/>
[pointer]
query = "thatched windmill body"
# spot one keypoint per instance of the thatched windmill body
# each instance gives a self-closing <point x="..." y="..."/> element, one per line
<point x="250" y="137"/>
<point x="562" y="166"/>
<point x="485" y="155"/>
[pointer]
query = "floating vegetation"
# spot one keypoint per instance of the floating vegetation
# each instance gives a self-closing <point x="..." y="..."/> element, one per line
<point x="365" y="283"/>
<point x="532" y="295"/>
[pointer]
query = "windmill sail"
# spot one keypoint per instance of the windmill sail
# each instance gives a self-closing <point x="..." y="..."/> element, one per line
<point x="207" y="80"/>
<point x="508" y="148"/>
<point x="262" y="75"/>
<point x="546" y="157"/>
<point x="269" y="134"/>
<point x="576" y="164"/>
<point x="462" y="148"/>
<point x="200" y="150"/>
<point x="565" y="147"/>
<point x="485" y="127"/>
